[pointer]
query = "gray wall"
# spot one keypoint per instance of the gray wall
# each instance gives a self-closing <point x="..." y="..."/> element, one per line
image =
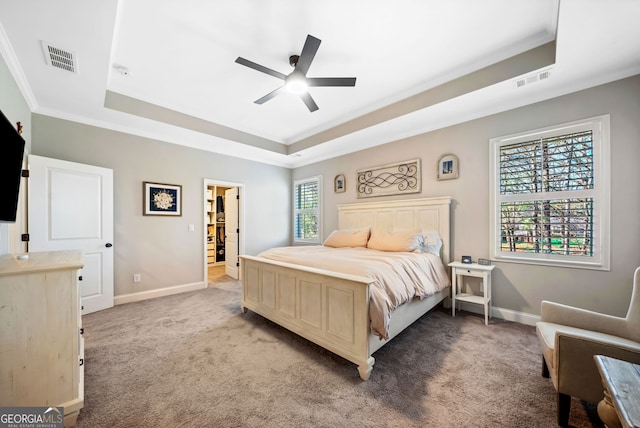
<point x="166" y="254"/>
<point x="520" y="287"/>
<point x="16" y="109"/>
<point x="161" y="248"/>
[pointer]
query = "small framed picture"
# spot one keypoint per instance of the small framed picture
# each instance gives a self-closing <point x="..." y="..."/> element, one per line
<point x="339" y="184"/>
<point x="162" y="199"/>
<point x="448" y="167"/>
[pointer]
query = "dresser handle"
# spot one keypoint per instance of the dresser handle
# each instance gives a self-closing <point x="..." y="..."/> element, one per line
<point x="81" y="330"/>
<point x="82" y="361"/>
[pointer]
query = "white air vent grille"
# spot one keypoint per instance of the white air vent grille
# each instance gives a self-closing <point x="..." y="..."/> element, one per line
<point x="59" y="58"/>
<point x="533" y="78"/>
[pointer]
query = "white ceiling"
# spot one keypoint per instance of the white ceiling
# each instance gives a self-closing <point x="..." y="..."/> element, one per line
<point x="184" y="87"/>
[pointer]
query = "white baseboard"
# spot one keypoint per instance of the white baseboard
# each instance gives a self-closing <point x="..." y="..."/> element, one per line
<point x="160" y="292"/>
<point x="505" y="314"/>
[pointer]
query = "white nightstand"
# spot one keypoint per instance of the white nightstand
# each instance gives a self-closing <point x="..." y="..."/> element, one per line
<point x="475" y="270"/>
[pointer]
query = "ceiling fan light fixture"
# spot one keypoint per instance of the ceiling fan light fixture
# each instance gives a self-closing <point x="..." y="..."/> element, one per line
<point x="296" y="83"/>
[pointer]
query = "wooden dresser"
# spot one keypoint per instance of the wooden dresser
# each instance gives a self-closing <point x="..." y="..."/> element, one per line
<point x="41" y="344"/>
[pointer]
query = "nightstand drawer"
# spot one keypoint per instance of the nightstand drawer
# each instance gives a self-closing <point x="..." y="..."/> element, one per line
<point x="470" y="272"/>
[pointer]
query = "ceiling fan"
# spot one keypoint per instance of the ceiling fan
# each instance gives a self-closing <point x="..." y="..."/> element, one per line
<point x="297" y="81"/>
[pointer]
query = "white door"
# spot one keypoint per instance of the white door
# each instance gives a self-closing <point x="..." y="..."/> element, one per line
<point x="70" y="207"/>
<point x="232" y="229"/>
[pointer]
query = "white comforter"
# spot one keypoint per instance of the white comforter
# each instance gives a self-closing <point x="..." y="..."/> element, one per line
<point x="399" y="276"/>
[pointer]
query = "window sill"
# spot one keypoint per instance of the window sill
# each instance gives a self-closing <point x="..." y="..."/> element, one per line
<point x="553" y="263"/>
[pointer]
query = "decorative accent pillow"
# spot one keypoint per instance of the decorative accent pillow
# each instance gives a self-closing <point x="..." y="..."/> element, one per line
<point x="348" y="238"/>
<point x="398" y="240"/>
<point x="432" y="242"/>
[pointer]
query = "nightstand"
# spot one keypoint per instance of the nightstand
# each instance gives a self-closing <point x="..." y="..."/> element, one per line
<point x="475" y="270"/>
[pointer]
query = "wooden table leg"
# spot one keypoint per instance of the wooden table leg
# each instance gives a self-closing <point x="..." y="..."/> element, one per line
<point x="607" y="412"/>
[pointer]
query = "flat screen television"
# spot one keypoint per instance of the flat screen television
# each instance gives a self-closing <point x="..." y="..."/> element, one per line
<point x="11" y="154"/>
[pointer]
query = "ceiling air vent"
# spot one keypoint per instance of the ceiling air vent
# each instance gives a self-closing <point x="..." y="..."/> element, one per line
<point x="532" y="78"/>
<point x="59" y="58"/>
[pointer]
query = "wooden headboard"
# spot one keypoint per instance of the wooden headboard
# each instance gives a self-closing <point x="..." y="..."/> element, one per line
<point x="415" y="214"/>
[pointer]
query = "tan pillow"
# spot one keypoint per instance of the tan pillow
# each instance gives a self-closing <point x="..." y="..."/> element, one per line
<point x="399" y="240"/>
<point x="348" y="238"/>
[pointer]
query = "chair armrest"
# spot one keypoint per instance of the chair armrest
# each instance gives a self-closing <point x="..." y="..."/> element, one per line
<point x="582" y="318"/>
<point x="577" y="373"/>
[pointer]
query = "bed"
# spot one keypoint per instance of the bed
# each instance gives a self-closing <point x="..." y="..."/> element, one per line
<point x="332" y="309"/>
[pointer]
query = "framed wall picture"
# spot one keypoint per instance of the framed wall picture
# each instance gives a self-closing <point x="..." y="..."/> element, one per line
<point x="448" y="167"/>
<point x="339" y="184"/>
<point x="162" y="199"/>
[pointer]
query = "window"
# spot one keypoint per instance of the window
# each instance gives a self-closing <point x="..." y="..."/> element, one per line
<point x="550" y="196"/>
<point x="306" y="206"/>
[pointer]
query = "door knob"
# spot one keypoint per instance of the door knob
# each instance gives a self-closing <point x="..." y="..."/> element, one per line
<point x="109" y="245"/>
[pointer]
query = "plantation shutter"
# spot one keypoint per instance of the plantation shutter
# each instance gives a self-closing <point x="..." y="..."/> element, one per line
<point x="307" y="210"/>
<point x="546" y="195"/>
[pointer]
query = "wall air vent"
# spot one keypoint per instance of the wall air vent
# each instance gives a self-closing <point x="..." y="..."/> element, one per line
<point x="59" y="58"/>
<point x="532" y="78"/>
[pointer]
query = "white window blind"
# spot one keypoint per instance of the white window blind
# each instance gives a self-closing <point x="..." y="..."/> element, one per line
<point x="306" y="195"/>
<point x="550" y="196"/>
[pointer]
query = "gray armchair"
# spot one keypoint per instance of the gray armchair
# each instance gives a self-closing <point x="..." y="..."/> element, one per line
<point x="570" y="337"/>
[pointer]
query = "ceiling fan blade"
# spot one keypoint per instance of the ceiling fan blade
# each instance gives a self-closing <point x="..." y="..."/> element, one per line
<point x="261" y="68"/>
<point x="311" y="105"/>
<point x="331" y="81"/>
<point x="309" y="50"/>
<point x="270" y="95"/>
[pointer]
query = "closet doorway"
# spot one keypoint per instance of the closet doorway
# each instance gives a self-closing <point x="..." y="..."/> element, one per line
<point x="222" y="230"/>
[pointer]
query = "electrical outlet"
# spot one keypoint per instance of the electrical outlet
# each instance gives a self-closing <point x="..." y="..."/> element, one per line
<point x="137" y="277"/>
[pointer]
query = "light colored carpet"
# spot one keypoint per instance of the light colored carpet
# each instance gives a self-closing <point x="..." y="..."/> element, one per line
<point x="194" y="360"/>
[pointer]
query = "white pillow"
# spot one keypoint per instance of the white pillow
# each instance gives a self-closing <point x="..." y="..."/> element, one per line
<point x="348" y="238"/>
<point x="398" y="240"/>
<point x="432" y="242"/>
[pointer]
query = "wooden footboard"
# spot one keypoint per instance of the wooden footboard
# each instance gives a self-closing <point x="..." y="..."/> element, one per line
<point x="328" y="308"/>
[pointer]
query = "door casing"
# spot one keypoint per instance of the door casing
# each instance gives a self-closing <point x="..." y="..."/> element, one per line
<point x="212" y="182"/>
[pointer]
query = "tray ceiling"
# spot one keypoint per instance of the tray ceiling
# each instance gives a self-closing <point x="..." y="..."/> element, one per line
<point x="166" y="69"/>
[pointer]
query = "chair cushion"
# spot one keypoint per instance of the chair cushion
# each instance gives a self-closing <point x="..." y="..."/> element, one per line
<point x="547" y="335"/>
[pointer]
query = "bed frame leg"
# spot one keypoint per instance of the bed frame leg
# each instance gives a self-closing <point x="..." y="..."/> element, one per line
<point x="365" y="369"/>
